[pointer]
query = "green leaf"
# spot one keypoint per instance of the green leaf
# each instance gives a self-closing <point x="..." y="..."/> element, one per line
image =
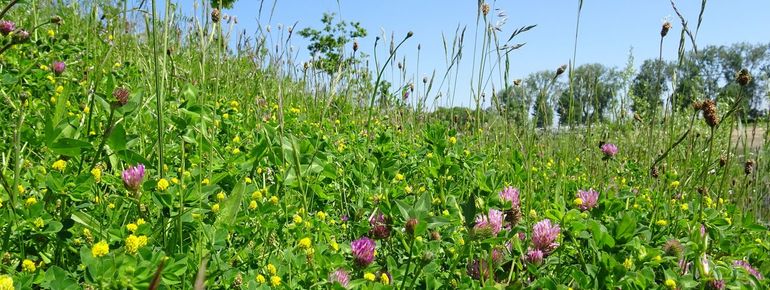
<point x="117" y="140"/>
<point x="626" y="228"/>
<point x="69" y="147"/>
<point x="230" y="207"/>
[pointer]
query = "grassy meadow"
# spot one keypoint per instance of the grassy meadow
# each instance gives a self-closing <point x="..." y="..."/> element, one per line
<point x="146" y="149"/>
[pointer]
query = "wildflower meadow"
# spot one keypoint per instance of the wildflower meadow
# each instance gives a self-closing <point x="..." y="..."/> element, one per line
<point x="146" y="148"/>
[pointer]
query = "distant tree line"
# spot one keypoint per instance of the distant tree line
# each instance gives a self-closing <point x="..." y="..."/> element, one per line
<point x="599" y="92"/>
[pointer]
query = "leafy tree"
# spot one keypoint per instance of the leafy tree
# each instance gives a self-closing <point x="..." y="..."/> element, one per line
<point x="648" y="87"/>
<point x="515" y="103"/>
<point x="593" y="89"/>
<point x="327" y="45"/>
<point x="541" y="86"/>
<point x="222" y="3"/>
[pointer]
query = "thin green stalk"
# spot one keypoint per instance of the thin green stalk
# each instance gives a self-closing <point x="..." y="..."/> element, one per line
<point x="158" y="97"/>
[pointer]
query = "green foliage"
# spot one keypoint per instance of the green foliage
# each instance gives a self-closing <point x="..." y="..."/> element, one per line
<point x="327" y="45"/>
<point x="222" y="3"/>
<point x="266" y="189"/>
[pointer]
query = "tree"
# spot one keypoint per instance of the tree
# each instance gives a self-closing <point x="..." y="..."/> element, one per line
<point x="593" y="89"/>
<point x="327" y="45"/>
<point x="648" y="87"/>
<point x="515" y="103"/>
<point x="222" y="3"/>
<point x="541" y="86"/>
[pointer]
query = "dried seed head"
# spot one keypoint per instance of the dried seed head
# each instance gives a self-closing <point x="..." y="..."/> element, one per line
<point x="409" y="34"/>
<point x="638" y="118"/>
<point x="722" y="161"/>
<point x="411" y="224"/>
<point x="56" y="19"/>
<point x="436" y="236"/>
<point x="355" y="46"/>
<point x="654" y="172"/>
<point x="485" y="9"/>
<point x="748" y="168"/>
<point x="21" y="36"/>
<point x="673" y="248"/>
<point x="561" y="70"/>
<point x="697" y="105"/>
<point x="703" y="190"/>
<point x="216" y="15"/>
<point x="710" y="113"/>
<point x="744" y="77"/>
<point x="424" y="80"/>
<point x="517" y="82"/>
<point x="664" y="30"/>
<point x="121" y="96"/>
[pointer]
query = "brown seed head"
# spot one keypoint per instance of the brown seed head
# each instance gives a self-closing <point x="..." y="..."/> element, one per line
<point x="355" y="46"/>
<point x="485" y="9"/>
<point x="216" y="15"/>
<point x="722" y="161"/>
<point x="561" y="70"/>
<point x="56" y="19"/>
<point x="517" y="82"/>
<point x="654" y="172"/>
<point x="748" y="168"/>
<point x="744" y="77"/>
<point x="710" y="113"/>
<point x="664" y="30"/>
<point x="411" y="224"/>
<point x="121" y="96"/>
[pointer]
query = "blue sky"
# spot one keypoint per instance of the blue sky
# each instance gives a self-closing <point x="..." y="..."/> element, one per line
<point x="608" y="29"/>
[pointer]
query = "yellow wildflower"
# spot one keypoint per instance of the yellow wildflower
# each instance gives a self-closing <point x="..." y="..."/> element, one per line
<point x="671" y="283"/>
<point x="384" y="279"/>
<point x="275" y="281"/>
<point x="100" y="249"/>
<point x="97" y="174"/>
<point x="28" y="266"/>
<point x="662" y="223"/>
<point x="132" y="227"/>
<point x="39" y="223"/>
<point x="399" y="177"/>
<point x="321" y="215"/>
<point x="297" y="219"/>
<point x="31" y="201"/>
<point x="257" y="194"/>
<point x="162" y="184"/>
<point x="215" y="208"/>
<point x="452" y="140"/>
<point x="220" y="195"/>
<point x="335" y="247"/>
<point x="369" y="276"/>
<point x="260" y="279"/>
<point x="59" y="165"/>
<point x="205" y="181"/>
<point x="6" y="283"/>
<point x="140" y="222"/>
<point x="628" y="263"/>
<point x="253" y="204"/>
<point x="274" y="200"/>
<point x="271" y="269"/>
<point x="305" y="243"/>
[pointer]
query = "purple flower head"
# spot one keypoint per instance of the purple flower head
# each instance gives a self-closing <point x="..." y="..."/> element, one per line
<point x="363" y="251"/>
<point x="511" y="194"/>
<point x="702" y="230"/>
<point x="589" y="199"/>
<point x="340" y="276"/>
<point x="344" y="218"/>
<point x="380" y="226"/>
<point x="745" y="265"/>
<point x="6" y="27"/>
<point x="544" y="236"/>
<point x="684" y="266"/>
<point x="478" y="268"/>
<point x="609" y="149"/>
<point x="132" y="177"/>
<point x="492" y="222"/>
<point x="21" y="36"/>
<point x="534" y="256"/>
<point x="58" y="67"/>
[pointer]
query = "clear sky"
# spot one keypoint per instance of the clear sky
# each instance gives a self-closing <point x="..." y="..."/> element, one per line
<point x="608" y="28"/>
